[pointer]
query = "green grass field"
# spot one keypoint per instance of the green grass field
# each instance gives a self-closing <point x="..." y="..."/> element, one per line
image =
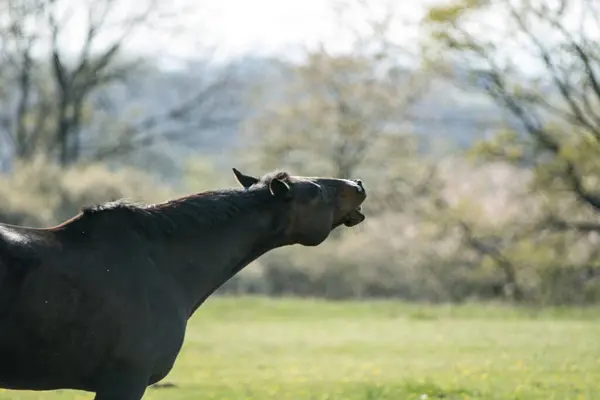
<point x="254" y="348"/>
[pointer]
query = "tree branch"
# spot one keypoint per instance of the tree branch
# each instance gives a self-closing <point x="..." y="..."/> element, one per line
<point x="543" y="138"/>
<point x="577" y="226"/>
<point x="564" y="88"/>
<point x="586" y="60"/>
<point x="495" y="254"/>
<point x="21" y="134"/>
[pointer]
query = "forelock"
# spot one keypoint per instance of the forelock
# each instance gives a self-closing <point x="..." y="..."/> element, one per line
<point x="280" y="175"/>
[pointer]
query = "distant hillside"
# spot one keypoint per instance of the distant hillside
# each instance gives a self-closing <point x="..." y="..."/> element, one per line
<point x="447" y="115"/>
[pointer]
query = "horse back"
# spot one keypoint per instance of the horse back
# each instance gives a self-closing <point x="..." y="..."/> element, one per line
<point x="18" y="257"/>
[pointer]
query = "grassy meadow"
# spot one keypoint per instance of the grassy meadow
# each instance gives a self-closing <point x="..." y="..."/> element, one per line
<point x="256" y="348"/>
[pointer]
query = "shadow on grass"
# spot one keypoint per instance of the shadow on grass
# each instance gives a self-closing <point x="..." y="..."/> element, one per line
<point x="429" y="390"/>
<point x="164" y="385"/>
<point x="408" y="390"/>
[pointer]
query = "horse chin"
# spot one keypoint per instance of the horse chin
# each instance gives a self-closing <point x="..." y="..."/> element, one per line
<point x="353" y="218"/>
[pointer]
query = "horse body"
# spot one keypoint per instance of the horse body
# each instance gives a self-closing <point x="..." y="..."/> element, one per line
<point x="70" y="315"/>
<point x="101" y="302"/>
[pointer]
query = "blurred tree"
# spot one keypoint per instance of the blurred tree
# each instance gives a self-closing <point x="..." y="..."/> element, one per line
<point x="58" y="57"/>
<point x="540" y="62"/>
<point x="332" y="112"/>
<point x="336" y="109"/>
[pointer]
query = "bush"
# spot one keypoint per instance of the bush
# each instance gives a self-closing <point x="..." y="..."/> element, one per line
<point x="382" y="258"/>
<point x="40" y="194"/>
<point x="395" y="253"/>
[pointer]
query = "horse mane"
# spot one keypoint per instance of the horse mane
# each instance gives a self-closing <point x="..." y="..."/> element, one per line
<point x="186" y="214"/>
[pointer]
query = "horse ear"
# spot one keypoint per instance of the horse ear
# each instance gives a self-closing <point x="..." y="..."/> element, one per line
<point x="244" y="180"/>
<point x="280" y="188"/>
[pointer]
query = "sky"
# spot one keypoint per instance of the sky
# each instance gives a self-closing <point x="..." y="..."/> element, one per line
<point x="267" y="26"/>
<point x="238" y="27"/>
<point x="280" y="26"/>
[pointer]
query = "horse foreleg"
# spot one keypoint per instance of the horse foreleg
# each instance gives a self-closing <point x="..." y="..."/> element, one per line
<point x="122" y="383"/>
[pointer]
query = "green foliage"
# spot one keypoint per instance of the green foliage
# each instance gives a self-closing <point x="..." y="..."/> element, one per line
<point x="452" y="11"/>
<point x="505" y="145"/>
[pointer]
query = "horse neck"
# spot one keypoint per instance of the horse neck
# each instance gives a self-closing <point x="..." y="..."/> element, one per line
<point x="204" y="261"/>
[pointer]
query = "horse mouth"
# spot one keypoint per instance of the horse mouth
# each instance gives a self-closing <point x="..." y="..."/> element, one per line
<point x="353" y="218"/>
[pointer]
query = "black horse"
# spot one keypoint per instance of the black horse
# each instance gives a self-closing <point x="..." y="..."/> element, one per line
<point x="101" y="302"/>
